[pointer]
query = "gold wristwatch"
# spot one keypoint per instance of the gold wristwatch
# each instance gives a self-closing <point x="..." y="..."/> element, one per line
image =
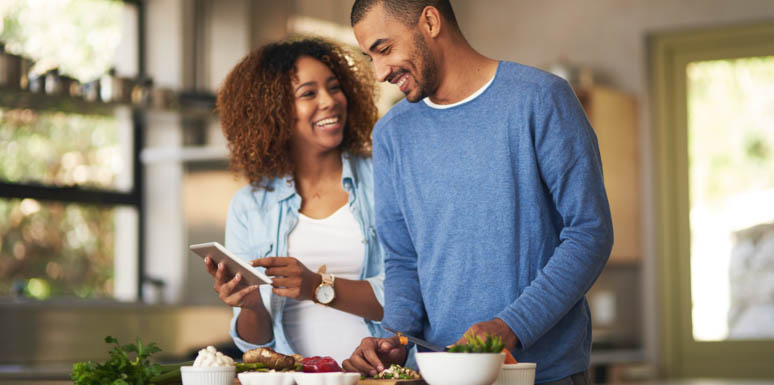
<point x="324" y="293"/>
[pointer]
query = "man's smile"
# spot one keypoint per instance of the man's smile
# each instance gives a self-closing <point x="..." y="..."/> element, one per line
<point x="400" y="79"/>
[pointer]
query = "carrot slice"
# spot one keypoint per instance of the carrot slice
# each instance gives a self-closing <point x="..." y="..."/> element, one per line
<point x="403" y="339"/>
<point x="509" y="359"/>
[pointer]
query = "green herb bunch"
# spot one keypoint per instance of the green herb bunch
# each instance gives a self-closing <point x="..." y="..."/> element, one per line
<point x="120" y="369"/>
<point x="477" y="344"/>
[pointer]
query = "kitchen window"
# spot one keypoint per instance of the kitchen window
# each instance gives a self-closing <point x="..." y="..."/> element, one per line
<point x="70" y="197"/>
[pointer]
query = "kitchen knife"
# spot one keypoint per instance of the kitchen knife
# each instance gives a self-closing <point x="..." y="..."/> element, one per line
<point x="417" y="341"/>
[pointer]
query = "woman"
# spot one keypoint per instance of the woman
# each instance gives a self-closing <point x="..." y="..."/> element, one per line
<point x="298" y="118"/>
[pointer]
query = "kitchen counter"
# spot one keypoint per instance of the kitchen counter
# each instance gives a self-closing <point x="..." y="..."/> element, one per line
<point x="22" y="381"/>
<point x="708" y="381"/>
<point x="663" y="382"/>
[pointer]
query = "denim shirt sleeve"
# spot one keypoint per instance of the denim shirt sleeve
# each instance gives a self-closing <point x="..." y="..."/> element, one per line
<point x="374" y="270"/>
<point x="377" y="285"/>
<point x="237" y="240"/>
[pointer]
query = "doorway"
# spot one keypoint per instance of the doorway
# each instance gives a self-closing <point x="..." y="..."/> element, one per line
<point x="713" y="93"/>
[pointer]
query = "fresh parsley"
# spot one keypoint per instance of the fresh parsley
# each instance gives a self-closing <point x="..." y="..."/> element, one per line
<point x="121" y="368"/>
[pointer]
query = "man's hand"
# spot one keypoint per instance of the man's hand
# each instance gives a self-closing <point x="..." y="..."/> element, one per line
<point x="495" y="327"/>
<point x="374" y="354"/>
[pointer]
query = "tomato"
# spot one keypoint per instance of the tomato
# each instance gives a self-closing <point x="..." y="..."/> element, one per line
<point x="319" y="364"/>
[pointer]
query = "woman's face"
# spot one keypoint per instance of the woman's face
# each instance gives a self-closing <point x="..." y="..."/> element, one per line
<point x="321" y="107"/>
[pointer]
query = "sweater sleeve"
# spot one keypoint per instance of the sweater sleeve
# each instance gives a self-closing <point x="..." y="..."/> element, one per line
<point x="569" y="163"/>
<point x="403" y="308"/>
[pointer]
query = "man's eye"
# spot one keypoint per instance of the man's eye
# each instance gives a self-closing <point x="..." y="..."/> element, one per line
<point x="385" y="50"/>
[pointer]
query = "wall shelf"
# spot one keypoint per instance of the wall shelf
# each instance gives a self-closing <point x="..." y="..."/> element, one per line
<point x="195" y="104"/>
<point x="16" y="98"/>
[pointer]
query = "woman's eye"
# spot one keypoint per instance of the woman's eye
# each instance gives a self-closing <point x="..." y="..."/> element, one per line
<point x="307" y="94"/>
<point x="336" y="87"/>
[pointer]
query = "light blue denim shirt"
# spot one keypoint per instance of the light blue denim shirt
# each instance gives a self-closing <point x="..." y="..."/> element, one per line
<point x="260" y="220"/>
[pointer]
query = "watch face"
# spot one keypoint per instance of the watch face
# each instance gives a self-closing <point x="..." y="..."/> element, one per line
<point x="325" y="294"/>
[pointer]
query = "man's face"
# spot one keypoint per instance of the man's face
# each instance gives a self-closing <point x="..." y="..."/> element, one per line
<point x="399" y="53"/>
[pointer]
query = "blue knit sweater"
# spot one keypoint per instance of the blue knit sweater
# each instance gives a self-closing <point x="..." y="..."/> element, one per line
<point x="494" y="208"/>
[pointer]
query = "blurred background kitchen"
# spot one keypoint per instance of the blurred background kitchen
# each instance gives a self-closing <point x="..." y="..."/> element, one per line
<point x="112" y="163"/>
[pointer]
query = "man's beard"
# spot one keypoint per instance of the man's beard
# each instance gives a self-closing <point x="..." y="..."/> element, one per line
<point x="429" y="76"/>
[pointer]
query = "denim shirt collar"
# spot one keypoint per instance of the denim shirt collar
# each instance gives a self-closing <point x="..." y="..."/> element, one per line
<point x="285" y="187"/>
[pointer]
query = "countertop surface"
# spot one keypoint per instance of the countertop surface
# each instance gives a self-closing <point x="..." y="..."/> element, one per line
<point x="654" y="382"/>
<point x="707" y="381"/>
<point x="58" y="375"/>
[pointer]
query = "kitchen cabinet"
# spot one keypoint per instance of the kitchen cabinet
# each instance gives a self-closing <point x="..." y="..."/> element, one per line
<point x="613" y="114"/>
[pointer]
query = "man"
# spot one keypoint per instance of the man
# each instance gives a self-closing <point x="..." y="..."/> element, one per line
<point x="489" y="197"/>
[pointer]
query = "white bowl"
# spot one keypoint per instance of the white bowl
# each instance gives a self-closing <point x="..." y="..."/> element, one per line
<point x="443" y="368"/>
<point x="522" y="373"/>
<point x="333" y="378"/>
<point x="266" y="378"/>
<point x="221" y="375"/>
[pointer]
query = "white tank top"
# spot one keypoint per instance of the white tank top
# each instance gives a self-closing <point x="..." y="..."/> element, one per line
<point x="313" y="329"/>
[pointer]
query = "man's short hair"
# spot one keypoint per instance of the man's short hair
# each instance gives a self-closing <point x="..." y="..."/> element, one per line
<point x="406" y="11"/>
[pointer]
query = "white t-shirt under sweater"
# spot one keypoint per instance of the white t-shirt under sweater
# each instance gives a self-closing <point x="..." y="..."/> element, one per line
<point x="336" y="241"/>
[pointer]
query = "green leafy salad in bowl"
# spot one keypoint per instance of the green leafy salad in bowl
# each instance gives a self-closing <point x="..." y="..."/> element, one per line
<point x="477" y="344"/>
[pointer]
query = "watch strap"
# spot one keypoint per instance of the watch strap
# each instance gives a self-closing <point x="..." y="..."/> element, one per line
<point x="327" y="279"/>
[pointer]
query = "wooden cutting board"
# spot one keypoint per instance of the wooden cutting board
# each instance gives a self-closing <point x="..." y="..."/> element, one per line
<point x="372" y="381"/>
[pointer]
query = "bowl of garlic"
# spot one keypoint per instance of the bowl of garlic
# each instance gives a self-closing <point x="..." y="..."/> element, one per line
<point x="211" y="367"/>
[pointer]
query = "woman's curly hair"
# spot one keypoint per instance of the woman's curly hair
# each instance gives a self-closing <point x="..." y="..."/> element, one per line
<point x="257" y="106"/>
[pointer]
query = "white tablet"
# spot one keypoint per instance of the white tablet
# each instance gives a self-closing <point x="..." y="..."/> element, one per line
<point x="218" y="253"/>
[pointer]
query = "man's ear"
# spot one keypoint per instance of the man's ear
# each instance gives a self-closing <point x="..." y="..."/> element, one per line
<point x="430" y="21"/>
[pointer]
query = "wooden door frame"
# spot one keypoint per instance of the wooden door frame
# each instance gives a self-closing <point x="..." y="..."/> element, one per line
<point x="669" y="54"/>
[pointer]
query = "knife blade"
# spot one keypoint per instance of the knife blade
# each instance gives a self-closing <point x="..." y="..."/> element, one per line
<point x="417" y="341"/>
